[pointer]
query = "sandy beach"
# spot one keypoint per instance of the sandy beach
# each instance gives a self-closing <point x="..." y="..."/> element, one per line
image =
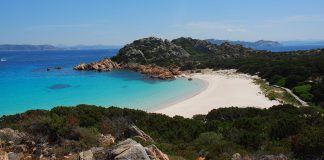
<point x="225" y="88"/>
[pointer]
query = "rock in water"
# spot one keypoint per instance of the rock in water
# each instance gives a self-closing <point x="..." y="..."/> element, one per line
<point x="103" y="65"/>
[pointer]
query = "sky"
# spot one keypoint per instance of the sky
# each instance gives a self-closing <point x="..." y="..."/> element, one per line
<point x="117" y="22"/>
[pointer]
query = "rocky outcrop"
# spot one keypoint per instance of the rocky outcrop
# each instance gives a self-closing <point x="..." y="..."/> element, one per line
<point x="103" y="65"/>
<point x="135" y="131"/>
<point x="12" y="136"/>
<point x="150" y="50"/>
<point x="130" y="149"/>
<point x="154" y="71"/>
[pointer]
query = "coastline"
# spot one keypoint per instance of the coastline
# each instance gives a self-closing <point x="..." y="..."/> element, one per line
<point x="223" y="88"/>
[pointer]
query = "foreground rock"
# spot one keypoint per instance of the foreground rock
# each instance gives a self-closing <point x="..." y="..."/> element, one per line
<point x="130" y="149"/>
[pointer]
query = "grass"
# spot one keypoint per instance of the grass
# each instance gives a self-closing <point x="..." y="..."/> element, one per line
<point x="274" y="93"/>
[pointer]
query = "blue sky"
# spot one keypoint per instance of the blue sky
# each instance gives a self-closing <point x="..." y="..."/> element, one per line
<point x="117" y="22"/>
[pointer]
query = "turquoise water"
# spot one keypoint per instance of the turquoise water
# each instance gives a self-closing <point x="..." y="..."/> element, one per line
<point x="26" y="84"/>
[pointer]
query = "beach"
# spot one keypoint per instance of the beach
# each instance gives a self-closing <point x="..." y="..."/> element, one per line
<point x="224" y="88"/>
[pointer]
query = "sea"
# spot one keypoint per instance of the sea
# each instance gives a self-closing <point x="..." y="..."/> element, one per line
<point x="30" y="80"/>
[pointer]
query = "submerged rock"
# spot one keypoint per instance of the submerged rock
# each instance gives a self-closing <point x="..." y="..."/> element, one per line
<point x="59" y="86"/>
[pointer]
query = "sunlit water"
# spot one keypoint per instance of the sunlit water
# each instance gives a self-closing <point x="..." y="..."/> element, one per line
<point x="26" y="84"/>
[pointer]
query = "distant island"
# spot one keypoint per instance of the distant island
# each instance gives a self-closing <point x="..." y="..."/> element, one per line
<point x="261" y="44"/>
<point x="28" y="47"/>
<point x="16" y="47"/>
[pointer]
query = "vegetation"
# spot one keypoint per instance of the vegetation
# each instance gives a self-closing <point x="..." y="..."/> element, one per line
<point x="275" y="93"/>
<point x="296" y="132"/>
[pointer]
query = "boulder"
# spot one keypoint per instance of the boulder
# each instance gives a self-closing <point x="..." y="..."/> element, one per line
<point x="106" y="140"/>
<point x="86" y="155"/>
<point x="236" y="156"/>
<point x="128" y="149"/>
<point x="15" y="156"/>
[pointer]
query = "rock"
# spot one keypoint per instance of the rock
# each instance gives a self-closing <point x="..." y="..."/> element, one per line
<point x="103" y="65"/>
<point x="130" y="149"/>
<point x="135" y="131"/>
<point x="156" y="154"/>
<point x="15" y="156"/>
<point x="154" y="71"/>
<point x="99" y="152"/>
<point x="106" y="140"/>
<point x="13" y="136"/>
<point x="86" y="155"/>
<point x="3" y="155"/>
<point x="274" y="157"/>
<point x="56" y="68"/>
<point x="236" y="156"/>
<point x="20" y="148"/>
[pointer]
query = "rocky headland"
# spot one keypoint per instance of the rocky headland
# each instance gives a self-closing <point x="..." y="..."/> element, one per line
<point x="164" y="59"/>
<point x="151" y="70"/>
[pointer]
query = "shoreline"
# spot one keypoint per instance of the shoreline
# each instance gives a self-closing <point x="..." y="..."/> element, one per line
<point x="223" y="88"/>
<point x="204" y="87"/>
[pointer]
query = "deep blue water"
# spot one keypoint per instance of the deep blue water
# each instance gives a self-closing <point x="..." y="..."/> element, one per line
<point x="25" y="83"/>
<point x="286" y="48"/>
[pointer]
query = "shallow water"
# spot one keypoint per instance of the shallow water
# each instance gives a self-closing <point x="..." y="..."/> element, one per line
<point x="25" y="83"/>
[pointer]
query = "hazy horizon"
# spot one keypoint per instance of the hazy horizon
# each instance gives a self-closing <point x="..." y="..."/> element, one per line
<point x="81" y="22"/>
